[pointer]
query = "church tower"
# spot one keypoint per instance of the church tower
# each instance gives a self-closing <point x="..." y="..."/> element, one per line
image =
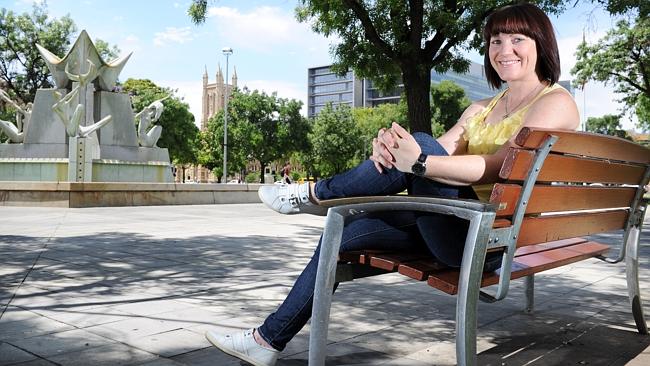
<point x="212" y="103"/>
<point x="213" y="94"/>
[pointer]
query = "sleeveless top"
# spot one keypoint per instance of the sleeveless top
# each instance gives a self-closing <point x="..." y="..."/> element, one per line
<point x="484" y="139"/>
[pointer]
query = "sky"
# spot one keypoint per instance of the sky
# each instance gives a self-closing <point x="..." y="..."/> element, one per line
<point x="271" y="49"/>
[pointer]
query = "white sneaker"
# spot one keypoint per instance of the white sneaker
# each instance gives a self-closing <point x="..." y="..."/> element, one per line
<point x="243" y="346"/>
<point x="289" y="199"/>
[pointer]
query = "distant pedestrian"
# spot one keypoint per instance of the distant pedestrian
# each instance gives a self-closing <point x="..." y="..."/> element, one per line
<point x="286" y="173"/>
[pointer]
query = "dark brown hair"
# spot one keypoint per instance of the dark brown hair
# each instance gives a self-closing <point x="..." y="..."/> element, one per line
<point x="531" y="21"/>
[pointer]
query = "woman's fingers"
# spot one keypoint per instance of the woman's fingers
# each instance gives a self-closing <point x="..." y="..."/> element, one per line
<point x="400" y="131"/>
<point x="380" y="154"/>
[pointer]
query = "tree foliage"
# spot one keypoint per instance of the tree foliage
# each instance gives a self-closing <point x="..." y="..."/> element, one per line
<point x="179" y="133"/>
<point x="448" y="101"/>
<point x="22" y="70"/>
<point x="622" y="59"/>
<point x="607" y="124"/>
<point x="385" y="39"/>
<point x="370" y="120"/>
<point x="261" y="127"/>
<point x="106" y="51"/>
<point x="642" y="8"/>
<point x="335" y="139"/>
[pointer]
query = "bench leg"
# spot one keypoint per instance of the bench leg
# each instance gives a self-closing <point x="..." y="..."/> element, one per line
<point x="632" y="274"/>
<point x="324" y="286"/>
<point x="469" y="285"/>
<point x="529" y="283"/>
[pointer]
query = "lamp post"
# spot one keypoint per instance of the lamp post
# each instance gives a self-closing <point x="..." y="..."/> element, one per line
<point x="227" y="51"/>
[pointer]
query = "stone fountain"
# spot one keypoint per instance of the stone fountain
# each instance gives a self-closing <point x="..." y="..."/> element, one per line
<point x="81" y="145"/>
<point x="83" y="130"/>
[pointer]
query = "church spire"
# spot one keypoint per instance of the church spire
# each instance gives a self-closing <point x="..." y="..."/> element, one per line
<point x="234" y="77"/>
<point x="205" y="75"/>
<point x="219" y="75"/>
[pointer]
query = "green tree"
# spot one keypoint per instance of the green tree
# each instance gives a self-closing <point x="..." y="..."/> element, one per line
<point x="261" y="127"/>
<point x="622" y="59"/>
<point x="448" y="101"/>
<point x="22" y="70"/>
<point x="106" y="51"/>
<point x="642" y="8"/>
<point x="335" y="139"/>
<point x="608" y="124"/>
<point x="179" y="134"/>
<point x="370" y="120"/>
<point x="385" y="39"/>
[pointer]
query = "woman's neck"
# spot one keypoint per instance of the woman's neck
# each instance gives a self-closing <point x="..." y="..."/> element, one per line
<point x="520" y="90"/>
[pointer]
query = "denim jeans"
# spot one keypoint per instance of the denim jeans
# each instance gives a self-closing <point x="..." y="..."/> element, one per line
<point x="402" y="230"/>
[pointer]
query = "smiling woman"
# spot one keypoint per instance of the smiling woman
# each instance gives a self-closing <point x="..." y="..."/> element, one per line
<point x="469" y="154"/>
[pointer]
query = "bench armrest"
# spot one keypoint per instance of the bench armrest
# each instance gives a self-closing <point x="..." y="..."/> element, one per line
<point x="449" y="206"/>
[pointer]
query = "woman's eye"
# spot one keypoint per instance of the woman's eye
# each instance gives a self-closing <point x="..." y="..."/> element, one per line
<point x="495" y="41"/>
<point x="517" y="40"/>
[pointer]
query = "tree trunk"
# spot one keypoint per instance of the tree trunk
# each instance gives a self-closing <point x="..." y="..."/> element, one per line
<point x="262" y="169"/>
<point x="417" y="85"/>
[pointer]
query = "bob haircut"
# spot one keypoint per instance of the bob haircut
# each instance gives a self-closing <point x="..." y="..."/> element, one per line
<point x="531" y="21"/>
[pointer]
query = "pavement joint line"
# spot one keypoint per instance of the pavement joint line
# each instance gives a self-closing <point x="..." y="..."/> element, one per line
<point x="563" y="344"/>
<point x="33" y="354"/>
<point x="31" y="268"/>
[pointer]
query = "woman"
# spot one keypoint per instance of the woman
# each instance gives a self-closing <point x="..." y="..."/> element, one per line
<point x="522" y="52"/>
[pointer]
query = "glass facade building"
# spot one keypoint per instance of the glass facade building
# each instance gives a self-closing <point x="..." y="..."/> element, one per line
<point x="323" y="86"/>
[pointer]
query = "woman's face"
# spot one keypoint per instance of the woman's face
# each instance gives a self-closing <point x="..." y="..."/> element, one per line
<point x="513" y="56"/>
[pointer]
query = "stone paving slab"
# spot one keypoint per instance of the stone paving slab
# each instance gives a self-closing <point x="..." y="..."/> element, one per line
<point x="140" y="286"/>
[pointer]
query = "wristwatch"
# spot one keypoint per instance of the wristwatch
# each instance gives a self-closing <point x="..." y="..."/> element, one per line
<point x="420" y="166"/>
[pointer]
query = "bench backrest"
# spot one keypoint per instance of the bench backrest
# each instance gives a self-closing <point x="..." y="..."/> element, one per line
<point x="589" y="183"/>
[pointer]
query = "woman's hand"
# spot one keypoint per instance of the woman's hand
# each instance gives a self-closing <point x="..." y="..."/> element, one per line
<point x="405" y="150"/>
<point x="380" y="154"/>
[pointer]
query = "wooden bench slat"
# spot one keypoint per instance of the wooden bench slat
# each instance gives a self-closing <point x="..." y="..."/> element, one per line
<point x="536" y="248"/>
<point x="586" y="144"/>
<point x="560" y="168"/>
<point x="390" y="261"/>
<point x="546" y="198"/>
<point x="549" y="228"/>
<point x="525" y="265"/>
<point x="419" y="266"/>
<point x="420" y="269"/>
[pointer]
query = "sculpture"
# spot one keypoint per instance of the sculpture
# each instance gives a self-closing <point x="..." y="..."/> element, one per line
<point x="107" y="72"/>
<point x="16" y="132"/>
<point x="82" y="129"/>
<point x="70" y="114"/>
<point x="145" y="118"/>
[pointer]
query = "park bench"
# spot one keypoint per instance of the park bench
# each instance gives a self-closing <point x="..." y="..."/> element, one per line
<point x="557" y="186"/>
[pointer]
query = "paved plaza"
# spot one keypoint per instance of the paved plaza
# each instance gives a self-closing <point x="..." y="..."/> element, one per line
<point x="140" y="285"/>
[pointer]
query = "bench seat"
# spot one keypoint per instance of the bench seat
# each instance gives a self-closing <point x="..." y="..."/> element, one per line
<point x="528" y="260"/>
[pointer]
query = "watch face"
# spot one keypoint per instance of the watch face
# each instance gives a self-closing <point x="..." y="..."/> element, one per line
<point x="418" y="169"/>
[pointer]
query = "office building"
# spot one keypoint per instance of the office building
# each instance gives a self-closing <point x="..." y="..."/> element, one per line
<point x="323" y="86"/>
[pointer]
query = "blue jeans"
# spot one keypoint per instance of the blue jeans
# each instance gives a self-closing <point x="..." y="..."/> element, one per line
<point x="405" y="231"/>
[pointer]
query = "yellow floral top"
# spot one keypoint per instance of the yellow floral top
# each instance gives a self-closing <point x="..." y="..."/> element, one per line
<point x="483" y="138"/>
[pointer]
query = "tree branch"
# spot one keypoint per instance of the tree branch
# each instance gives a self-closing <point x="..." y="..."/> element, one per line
<point x="369" y="28"/>
<point x="628" y="80"/>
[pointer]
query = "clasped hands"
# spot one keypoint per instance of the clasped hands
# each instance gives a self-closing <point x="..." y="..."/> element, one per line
<point x="394" y="147"/>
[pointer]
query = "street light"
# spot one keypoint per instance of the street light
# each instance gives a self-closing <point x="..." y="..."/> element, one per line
<point x="227" y="51"/>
